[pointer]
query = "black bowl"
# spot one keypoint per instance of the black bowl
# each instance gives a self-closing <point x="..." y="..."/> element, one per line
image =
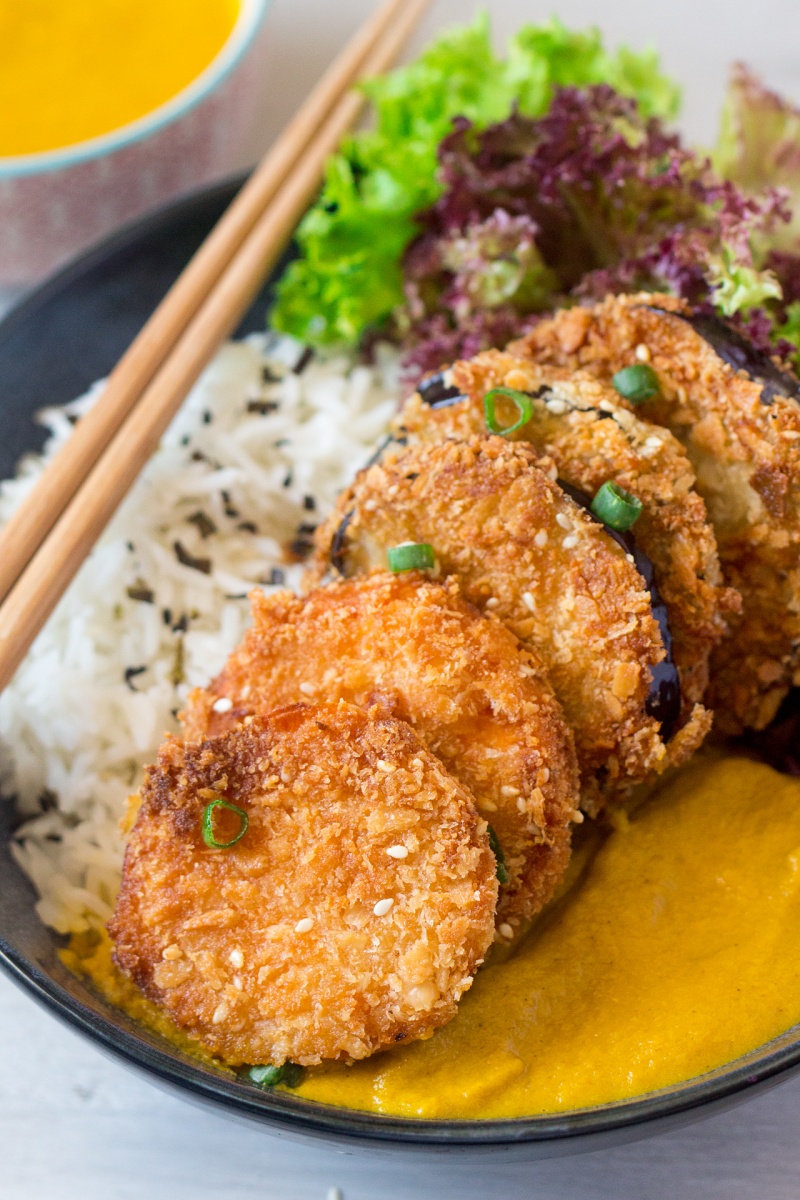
<point x="65" y="335"/>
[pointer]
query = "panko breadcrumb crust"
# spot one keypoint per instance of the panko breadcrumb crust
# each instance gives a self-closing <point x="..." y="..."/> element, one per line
<point x="408" y="647"/>
<point x="274" y="949"/>
<point x="526" y="552"/>
<point x="592" y="437"/>
<point x="746" y="454"/>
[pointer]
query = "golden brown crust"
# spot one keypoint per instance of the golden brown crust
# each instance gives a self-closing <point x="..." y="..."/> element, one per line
<point x="219" y="938"/>
<point x="591" y="437"/>
<point x="746" y="455"/>
<point x="408" y="647"/>
<point x="534" y="558"/>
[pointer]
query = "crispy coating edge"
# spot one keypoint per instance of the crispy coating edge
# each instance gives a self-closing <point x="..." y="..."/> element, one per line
<point x="747" y="459"/>
<point x="592" y="438"/>
<point x="212" y="935"/>
<point x="482" y="503"/>
<point x="414" y="649"/>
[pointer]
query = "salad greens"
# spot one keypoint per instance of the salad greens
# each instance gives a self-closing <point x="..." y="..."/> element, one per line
<point x="490" y="190"/>
<point x="759" y="146"/>
<point x="590" y="198"/>
<point x="349" y="276"/>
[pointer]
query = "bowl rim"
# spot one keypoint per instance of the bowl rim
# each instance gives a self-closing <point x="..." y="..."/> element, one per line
<point x="136" y="1046"/>
<point x="153" y="1055"/>
<point x="240" y="39"/>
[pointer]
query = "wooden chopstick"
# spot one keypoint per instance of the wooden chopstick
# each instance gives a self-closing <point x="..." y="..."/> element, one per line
<point x="107" y="480"/>
<point x="27" y="528"/>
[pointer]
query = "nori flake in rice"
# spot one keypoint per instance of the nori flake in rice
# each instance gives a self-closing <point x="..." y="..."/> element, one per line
<point x="188" y="560"/>
<point x="262" y="407"/>
<point x="202" y="523"/>
<point x="140" y="591"/>
<point x="130" y="675"/>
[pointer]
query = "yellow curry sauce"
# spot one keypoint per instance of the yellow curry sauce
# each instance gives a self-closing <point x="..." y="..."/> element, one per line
<point x="676" y="951"/>
<point x="90" y="954"/>
<point x="75" y="69"/>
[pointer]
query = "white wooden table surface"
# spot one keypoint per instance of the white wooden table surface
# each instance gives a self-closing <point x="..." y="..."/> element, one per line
<point x="75" y="1126"/>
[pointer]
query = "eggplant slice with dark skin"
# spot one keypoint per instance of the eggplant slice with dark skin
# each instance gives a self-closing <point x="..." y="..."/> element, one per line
<point x="737" y="414"/>
<point x="525" y="551"/>
<point x="664" y="699"/>
<point x="593" y="438"/>
<point x="741" y="355"/>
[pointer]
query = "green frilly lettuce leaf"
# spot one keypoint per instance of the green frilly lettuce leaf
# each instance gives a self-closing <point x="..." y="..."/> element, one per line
<point x="738" y="287"/>
<point x="542" y="58"/>
<point x="348" y="277"/>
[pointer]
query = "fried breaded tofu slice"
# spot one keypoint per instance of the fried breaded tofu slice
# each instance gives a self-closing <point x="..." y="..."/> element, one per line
<point x="351" y="915"/>
<point x="593" y="438"/>
<point x="738" y="416"/>
<point x="411" y="648"/>
<point x="526" y="552"/>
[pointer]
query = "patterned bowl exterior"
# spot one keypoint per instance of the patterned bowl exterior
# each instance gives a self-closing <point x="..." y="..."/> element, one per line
<point x="47" y="217"/>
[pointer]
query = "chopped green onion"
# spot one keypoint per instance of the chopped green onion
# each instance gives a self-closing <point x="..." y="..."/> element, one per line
<point x="290" y="1075"/>
<point x="636" y="383"/>
<point x="208" y="824"/>
<point x="497" y="851"/>
<point x="410" y="556"/>
<point x="522" y="401"/>
<point x="266" y="1076"/>
<point x="615" y="507"/>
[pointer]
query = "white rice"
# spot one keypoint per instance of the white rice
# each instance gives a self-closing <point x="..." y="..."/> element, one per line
<point x="243" y="451"/>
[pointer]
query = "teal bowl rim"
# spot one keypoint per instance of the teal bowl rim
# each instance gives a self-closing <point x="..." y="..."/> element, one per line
<point x="239" y="41"/>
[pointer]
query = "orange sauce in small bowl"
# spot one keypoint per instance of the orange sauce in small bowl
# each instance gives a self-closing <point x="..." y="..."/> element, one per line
<point x="72" y="70"/>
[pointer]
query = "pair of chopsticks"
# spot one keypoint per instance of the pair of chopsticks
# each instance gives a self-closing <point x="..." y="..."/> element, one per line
<point x="48" y="538"/>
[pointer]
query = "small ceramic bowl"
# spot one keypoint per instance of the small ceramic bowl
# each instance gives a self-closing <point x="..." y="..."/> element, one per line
<point x="56" y="203"/>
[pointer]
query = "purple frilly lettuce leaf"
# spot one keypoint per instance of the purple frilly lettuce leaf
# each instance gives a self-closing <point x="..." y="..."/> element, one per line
<point x="589" y="198"/>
